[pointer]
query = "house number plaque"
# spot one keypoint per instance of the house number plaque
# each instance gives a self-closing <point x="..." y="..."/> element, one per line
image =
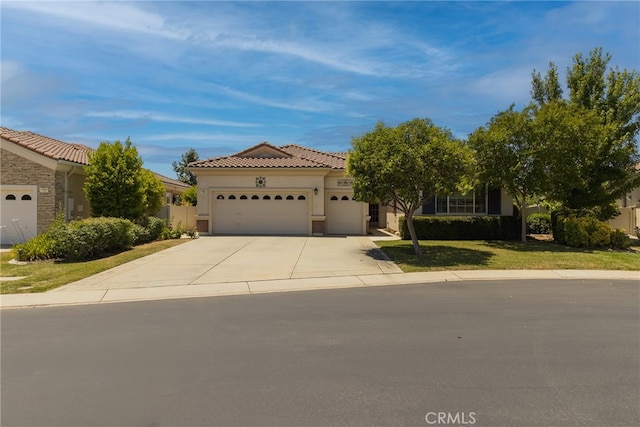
<point x="345" y="182"/>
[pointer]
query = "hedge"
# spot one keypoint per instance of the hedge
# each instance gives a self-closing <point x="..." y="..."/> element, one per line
<point x="463" y="227"/>
<point x="539" y="223"/>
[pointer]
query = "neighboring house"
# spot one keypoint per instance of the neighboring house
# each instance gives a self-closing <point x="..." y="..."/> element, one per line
<point x="287" y="190"/>
<point x="483" y="201"/>
<point x="629" y="218"/>
<point x="40" y="176"/>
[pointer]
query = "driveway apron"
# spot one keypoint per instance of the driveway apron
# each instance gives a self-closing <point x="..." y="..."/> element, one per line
<point x="230" y="259"/>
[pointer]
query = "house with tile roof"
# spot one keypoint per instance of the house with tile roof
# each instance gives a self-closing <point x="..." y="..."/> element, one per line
<point x="278" y="190"/>
<point x="40" y="176"/>
<point x="298" y="190"/>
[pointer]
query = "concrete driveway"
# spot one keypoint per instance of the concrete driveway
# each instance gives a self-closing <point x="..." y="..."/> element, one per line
<point x="231" y="259"/>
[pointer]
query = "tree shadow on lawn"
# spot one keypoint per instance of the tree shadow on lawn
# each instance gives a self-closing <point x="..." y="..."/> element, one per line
<point x="437" y="256"/>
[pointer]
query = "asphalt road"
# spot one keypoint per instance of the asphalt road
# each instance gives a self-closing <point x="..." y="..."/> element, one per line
<point x="527" y="353"/>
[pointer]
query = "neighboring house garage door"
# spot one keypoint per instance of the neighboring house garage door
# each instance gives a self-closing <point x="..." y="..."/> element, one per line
<point x="285" y="212"/>
<point x="344" y="215"/>
<point x="18" y="213"/>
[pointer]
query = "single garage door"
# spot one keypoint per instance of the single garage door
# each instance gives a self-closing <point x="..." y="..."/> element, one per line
<point x="285" y="212"/>
<point x="18" y="213"/>
<point x="344" y="215"/>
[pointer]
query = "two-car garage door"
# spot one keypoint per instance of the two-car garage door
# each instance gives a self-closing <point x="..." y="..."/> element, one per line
<point x="286" y="212"/>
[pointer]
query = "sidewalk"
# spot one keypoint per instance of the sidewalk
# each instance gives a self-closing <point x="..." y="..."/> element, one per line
<point x="297" y="284"/>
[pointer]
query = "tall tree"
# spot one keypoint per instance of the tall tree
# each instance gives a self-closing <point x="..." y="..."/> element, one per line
<point x="596" y="93"/>
<point x="114" y="181"/>
<point x="509" y="156"/>
<point x="180" y="167"/>
<point x="408" y="165"/>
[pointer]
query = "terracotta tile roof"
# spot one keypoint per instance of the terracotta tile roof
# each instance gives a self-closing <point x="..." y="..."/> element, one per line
<point x="296" y="157"/>
<point x="170" y="181"/>
<point x="48" y="147"/>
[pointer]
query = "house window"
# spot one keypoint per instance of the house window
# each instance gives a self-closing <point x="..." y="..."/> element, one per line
<point x="474" y="202"/>
<point x="289" y="197"/>
<point x="220" y="197"/>
<point x="232" y="197"/>
<point x="254" y="197"/>
<point x="10" y="197"/>
<point x="302" y="198"/>
<point x="334" y="197"/>
<point x="345" y="197"/>
<point x="243" y="197"/>
<point x="25" y="197"/>
<point x="267" y="197"/>
<point x="278" y="197"/>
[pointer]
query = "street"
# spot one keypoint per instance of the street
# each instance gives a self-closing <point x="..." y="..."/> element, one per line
<point x="483" y="353"/>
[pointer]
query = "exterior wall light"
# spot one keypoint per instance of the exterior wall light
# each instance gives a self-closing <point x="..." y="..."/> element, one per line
<point x="315" y="191"/>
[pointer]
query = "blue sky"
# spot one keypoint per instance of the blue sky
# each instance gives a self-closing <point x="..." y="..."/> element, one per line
<point x="222" y="76"/>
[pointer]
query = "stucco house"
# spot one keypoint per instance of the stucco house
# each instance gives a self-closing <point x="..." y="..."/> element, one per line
<point x="297" y="190"/>
<point x="289" y="190"/>
<point x="40" y="176"/>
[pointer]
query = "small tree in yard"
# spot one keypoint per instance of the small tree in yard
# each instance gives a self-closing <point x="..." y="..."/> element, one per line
<point x="509" y="156"/>
<point x="117" y="186"/>
<point x="153" y="192"/>
<point x="408" y="165"/>
<point x="190" y="195"/>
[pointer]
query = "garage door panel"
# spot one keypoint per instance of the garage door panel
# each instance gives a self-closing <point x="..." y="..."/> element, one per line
<point x="344" y="215"/>
<point x="18" y="214"/>
<point x="260" y="216"/>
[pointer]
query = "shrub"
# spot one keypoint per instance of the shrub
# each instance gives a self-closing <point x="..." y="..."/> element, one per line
<point x="586" y="232"/>
<point x="139" y="235"/>
<point x="92" y="237"/>
<point x="463" y="228"/>
<point x="539" y="223"/>
<point x="619" y="239"/>
<point x="42" y="246"/>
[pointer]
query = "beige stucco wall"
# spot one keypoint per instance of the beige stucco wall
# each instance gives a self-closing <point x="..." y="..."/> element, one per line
<point x="301" y="180"/>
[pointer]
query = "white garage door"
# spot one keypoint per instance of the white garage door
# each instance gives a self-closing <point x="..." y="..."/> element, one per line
<point x="18" y="213"/>
<point x="239" y="212"/>
<point x="344" y="215"/>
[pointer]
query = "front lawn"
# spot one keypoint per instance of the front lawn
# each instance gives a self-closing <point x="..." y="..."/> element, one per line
<point x="46" y="275"/>
<point x="504" y="255"/>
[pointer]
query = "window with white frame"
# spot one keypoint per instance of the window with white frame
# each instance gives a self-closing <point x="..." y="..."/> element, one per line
<point x="474" y="202"/>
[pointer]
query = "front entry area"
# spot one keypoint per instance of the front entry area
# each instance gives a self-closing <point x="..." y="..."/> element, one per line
<point x="285" y="212"/>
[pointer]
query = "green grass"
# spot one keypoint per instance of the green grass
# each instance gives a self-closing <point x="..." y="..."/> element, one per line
<point x="501" y="255"/>
<point x="45" y="275"/>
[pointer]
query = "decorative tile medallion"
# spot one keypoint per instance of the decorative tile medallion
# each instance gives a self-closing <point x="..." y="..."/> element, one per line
<point x="261" y="181"/>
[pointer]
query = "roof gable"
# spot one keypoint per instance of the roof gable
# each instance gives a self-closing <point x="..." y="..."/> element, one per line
<point x="265" y="155"/>
<point x="48" y="147"/>
<point x="263" y="150"/>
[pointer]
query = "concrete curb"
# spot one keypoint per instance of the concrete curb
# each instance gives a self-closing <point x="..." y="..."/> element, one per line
<point x="52" y="298"/>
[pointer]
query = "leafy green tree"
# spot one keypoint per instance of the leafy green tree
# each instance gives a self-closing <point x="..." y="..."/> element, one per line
<point x="593" y="133"/>
<point x="509" y="156"/>
<point x="191" y="195"/>
<point x="153" y="192"/>
<point x="407" y="165"/>
<point x="180" y="167"/>
<point x="114" y="181"/>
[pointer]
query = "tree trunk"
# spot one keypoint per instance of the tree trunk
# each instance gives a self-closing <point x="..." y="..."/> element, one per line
<point x="412" y="233"/>
<point x="523" y="219"/>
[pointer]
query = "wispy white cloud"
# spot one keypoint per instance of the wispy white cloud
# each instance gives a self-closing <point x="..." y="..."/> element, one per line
<point x="159" y="117"/>
<point x="115" y="15"/>
<point x="308" y="105"/>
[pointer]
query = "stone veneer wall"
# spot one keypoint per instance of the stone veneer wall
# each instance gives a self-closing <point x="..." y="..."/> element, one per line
<point x="26" y="172"/>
